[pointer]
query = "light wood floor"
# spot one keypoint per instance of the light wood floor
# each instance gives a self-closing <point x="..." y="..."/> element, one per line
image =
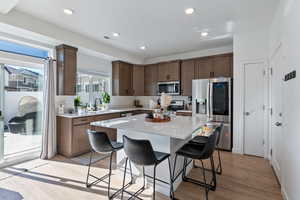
<point x="244" y="178"/>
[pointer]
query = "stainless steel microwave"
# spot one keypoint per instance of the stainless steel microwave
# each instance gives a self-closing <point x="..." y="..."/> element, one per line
<point x="171" y="88"/>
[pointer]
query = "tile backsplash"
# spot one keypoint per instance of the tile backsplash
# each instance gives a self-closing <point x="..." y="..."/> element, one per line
<point x="116" y="101"/>
<point x="144" y="100"/>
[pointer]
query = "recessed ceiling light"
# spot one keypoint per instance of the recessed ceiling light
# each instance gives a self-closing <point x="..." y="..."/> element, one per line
<point x="189" y="11"/>
<point x="143" y="47"/>
<point x="116" y="34"/>
<point x="204" y="34"/>
<point x="68" y="11"/>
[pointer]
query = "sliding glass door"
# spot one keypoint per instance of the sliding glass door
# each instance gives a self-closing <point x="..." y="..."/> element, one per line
<point x="21" y="105"/>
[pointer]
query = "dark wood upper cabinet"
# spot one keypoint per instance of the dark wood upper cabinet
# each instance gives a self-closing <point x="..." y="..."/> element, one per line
<point x="187" y="75"/>
<point x="214" y="66"/>
<point x="169" y="71"/>
<point x="122" y="78"/>
<point x="66" y="70"/>
<point x="222" y="65"/>
<point x="203" y="68"/>
<point x="151" y="78"/>
<point x="141" y="80"/>
<point x="138" y="80"/>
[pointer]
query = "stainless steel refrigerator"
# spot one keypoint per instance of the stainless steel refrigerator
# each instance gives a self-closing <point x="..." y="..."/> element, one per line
<point x="212" y="98"/>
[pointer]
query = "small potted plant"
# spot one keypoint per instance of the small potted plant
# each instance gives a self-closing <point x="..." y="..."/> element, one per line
<point x="77" y="103"/>
<point x="105" y="100"/>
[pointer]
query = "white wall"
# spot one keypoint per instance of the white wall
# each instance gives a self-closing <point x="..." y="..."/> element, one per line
<point x="248" y="46"/>
<point x="286" y="30"/>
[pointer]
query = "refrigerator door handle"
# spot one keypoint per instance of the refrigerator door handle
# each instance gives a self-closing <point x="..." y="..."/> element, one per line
<point x="211" y="100"/>
<point x="208" y="100"/>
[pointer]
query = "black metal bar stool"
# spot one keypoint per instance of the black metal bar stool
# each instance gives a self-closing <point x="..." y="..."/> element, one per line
<point x="199" y="152"/>
<point x="100" y="143"/>
<point x="141" y="153"/>
<point x="202" y="140"/>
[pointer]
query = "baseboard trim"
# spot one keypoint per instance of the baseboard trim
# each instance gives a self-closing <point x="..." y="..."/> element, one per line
<point x="284" y="194"/>
<point x="275" y="174"/>
<point x="237" y="151"/>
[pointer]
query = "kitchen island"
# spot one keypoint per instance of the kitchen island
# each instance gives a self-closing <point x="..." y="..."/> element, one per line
<point x="165" y="137"/>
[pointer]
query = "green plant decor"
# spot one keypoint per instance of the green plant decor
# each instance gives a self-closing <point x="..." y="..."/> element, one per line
<point x="105" y="98"/>
<point x="77" y="102"/>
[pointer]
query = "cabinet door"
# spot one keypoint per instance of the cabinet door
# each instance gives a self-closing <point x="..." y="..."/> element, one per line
<point x="222" y="65"/>
<point x="163" y="70"/>
<point x="169" y="71"/>
<point x="138" y="80"/>
<point x="151" y="78"/>
<point x="70" y="72"/>
<point x="187" y="75"/>
<point x="204" y="68"/>
<point x="125" y="79"/>
<point x="173" y="71"/>
<point x="80" y="141"/>
<point x="121" y="78"/>
<point x="66" y="70"/>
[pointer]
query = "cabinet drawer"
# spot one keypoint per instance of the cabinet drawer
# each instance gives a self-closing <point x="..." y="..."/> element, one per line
<point x="83" y="120"/>
<point x="106" y="117"/>
<point x="184" y="113"/>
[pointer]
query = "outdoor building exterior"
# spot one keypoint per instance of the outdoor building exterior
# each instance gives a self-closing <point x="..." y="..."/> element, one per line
<point x="21" y="79"/>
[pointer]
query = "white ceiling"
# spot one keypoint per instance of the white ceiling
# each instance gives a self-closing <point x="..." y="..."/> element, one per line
<point x="161" y="25"/>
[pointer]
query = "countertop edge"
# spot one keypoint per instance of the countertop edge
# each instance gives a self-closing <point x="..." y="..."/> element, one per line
<point x="112" y="111"/>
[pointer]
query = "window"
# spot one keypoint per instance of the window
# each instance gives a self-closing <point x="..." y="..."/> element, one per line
<point x="90" y="86"/>
<point x="22" y="49"/>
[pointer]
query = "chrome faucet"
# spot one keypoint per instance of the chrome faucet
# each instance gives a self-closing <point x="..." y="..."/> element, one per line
<point x="95" y="103"/>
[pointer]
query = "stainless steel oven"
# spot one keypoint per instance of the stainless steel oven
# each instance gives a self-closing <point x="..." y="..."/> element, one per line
<point x="171" y="88"/>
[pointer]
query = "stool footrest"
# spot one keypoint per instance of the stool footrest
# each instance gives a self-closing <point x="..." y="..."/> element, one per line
<point x="209" y="186"/>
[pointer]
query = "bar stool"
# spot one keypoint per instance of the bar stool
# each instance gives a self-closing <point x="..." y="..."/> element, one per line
<point x="199" y="152"/>
<point x="100" y="143"/>
<point x="141" y="153"/>
<point x="202" y="140"/>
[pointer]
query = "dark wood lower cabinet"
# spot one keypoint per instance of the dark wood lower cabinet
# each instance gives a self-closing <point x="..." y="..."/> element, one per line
<point x="80" y="141"/>
<point x="72" y="139"/>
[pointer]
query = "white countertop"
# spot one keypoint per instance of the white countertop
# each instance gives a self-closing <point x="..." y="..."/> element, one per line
<point x="101" y="112"/>
<point x="180" y="127"/>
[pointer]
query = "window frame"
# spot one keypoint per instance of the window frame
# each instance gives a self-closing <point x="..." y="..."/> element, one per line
<point x="91" y="85"/>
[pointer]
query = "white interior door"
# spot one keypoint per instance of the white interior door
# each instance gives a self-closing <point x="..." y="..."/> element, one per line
<point x="254" y="110"/>
<point x="277" y="111"/>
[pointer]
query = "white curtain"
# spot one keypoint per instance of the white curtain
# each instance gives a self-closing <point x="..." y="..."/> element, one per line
<point x="49" y="144"/>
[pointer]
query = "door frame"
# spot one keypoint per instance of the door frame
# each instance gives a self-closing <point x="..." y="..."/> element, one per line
<point x="2" y="82"/>
<point x="266" y="105"/>
<point x="274" y="53"/>
<point x="22" y="61"/>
